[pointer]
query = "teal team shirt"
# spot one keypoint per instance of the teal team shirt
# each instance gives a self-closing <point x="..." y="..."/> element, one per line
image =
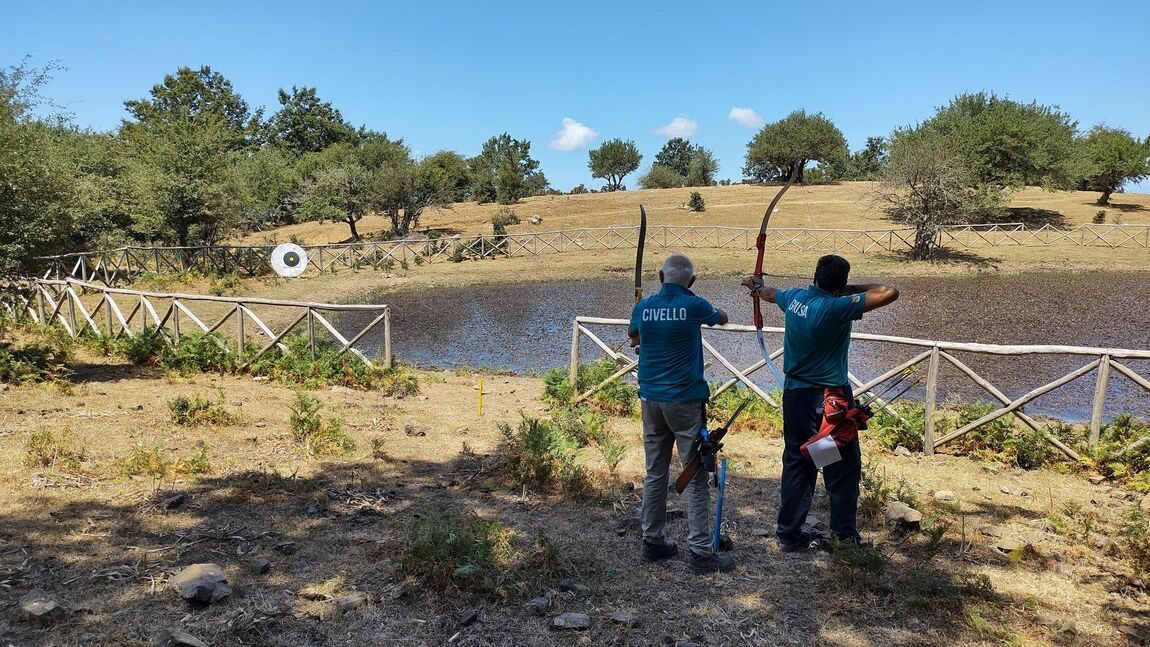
<point x="818" y="335"/>
<point x="671" y="344"/>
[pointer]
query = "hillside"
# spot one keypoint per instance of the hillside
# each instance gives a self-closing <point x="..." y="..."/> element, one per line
<point x="843" y="205"/>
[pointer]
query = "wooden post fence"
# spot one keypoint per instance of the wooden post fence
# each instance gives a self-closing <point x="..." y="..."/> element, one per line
<point x="63" y="302"/>
<point x="1101" y="361"/>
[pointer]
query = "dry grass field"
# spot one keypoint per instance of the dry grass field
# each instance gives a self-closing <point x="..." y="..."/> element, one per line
<point x="1016" y="557"/>
<point x="842" y="206"/>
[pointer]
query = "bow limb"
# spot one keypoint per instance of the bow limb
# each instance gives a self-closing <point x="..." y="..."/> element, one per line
<point x="761" y="246"/>
<point x="639" y="254"/>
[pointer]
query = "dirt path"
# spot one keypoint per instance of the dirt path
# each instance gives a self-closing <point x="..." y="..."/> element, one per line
<point x="103" y="545"/>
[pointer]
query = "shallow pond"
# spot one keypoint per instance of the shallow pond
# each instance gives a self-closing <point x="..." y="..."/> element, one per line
<point x="526" y="328"/>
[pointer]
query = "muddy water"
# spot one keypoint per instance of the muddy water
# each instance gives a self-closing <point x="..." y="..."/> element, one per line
<point x="526" y="328"/>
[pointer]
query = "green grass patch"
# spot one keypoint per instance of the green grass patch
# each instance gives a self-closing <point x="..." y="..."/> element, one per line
<point x="450" y="548"/>
<point x="318" y="436"/>
<point x="194" y="411"/>
<point x="757" y="417"/>
<point x="45" y="449"/>
<point x="619" y="398"/>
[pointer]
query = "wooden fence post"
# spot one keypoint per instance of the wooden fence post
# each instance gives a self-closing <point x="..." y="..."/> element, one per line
<point x="240" y="328"/>
<point x="387" y="338"/>
<point x="1099" y="400"/>
<point x="573" y="372"/>
<point x="71" y="311"/>
<point x="108" y="313"/>
<point x="311" y="333"/>
<point x="931" y="401"/>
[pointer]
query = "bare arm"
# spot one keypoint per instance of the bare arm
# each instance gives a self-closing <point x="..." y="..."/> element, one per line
<point x="764" y="291"/>
<point x="877" y="294"/>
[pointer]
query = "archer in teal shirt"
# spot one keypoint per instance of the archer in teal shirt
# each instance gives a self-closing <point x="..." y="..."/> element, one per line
<point x="671" y="355"/>
<point x="818" y="335"/>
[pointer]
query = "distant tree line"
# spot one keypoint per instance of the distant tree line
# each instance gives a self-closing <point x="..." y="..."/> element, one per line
<point x="193" y="162"/>
<point x="958" y="166"/>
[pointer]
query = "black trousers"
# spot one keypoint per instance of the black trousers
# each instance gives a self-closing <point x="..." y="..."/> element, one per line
<point x="802" y="415"/>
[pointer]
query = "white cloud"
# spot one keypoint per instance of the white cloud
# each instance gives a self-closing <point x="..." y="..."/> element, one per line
<point x="745" y="117"/>
<point x="681" y="126"/>
<point x="573" y="136"/>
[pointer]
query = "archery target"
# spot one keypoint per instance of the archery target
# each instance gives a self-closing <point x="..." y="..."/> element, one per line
<point x="289" y="260"/>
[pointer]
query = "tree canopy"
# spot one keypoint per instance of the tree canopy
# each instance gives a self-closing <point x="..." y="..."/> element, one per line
<point x="613" y="161"/>
<point x="1006" y="143"/>
<point x="307" y="124"/>
<point x="783" y="149"/>
<point x="505" y="172"/>
<point x="1112" y="157"/>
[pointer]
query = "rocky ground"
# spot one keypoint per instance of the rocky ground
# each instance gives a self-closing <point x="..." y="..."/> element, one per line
<point x="274" y="548"/>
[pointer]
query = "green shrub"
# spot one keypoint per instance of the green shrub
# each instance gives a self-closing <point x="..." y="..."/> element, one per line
<point x="34" y="363"/>
<point x="317" y="436"/>
<point x="1099" y="217"/>
<point x="696" y="203"/>
<point x="889" y="431"/>
<point x="225" y="284"/>
<point x="1136" y="535"/>
<point x="448" y="547"/>
<point x="860" y="568"/>
<point x="195" y="411"/>
<point x="196" y="353"/>
<point x="148" y="460"/>
<point x="501" y="220"/>
<point x="875" y="491"/>
<point x="1075" y="521"/>
<point x="1131" y="467"/>
<point x="542" y="457"/>
<point x="619" y="398"/>
<point x="330" y="367"/>
<point x="44" y="449"/>
<point x="757" y="416"/>
<point x="143" y="348"/>
<point x="588" y="427"/>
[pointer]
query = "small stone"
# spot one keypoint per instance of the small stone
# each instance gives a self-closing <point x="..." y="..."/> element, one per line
<point x="991" y="531"/>
<point x="761" y="532"/>
<point x="1104" y="544"/>
<point x="568" y="585"/>
<point x="175" y="501"/>
<point x="468" y="617"/>
<point x="338" y="388"/>
<point x="571" y="621"/>
<point x="261" y="424"/>
<point x="944" y="496"/>
<point x="345" y="603"/>
<point x="1145" y="504"/>
<point x="538" y="606"/>
<point x="40" y="609"/>
<point x="261" y="566"/>
<point x="1013" y="491"/>
<point x="1008" y="545"/>
<point x="902" y="451"/>
<point x="623" y="618"/>
<point x="1047" y="619"/>
<point x="904" y="515"/>
<point x="312" y="508"/>
<point x="1096" y="479"/>
<point x="400" y="590"/>
<point x="535" y="220"/>
<point x="1068" y="627"/>
<point x="260" y="378"/>
<point x="286" y="547"/>
<point x="201" y="583"/>
<point x="177" y="638"/>
<point x="414" y="428"/>
<point x="236" y="403"/>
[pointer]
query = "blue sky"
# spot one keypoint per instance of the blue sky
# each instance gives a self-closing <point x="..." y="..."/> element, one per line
<point x="448" y="75"/>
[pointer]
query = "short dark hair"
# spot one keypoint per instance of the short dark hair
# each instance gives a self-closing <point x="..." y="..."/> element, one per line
<point x="831" y="273"/>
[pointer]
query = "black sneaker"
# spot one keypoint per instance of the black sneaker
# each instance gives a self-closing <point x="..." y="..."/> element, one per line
<point x="654" y="552"/>
<point x="800" y="546"/>
<point x="712" y="563"/>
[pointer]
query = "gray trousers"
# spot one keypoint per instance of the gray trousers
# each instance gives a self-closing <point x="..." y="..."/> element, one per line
<point x="665" y="425"/>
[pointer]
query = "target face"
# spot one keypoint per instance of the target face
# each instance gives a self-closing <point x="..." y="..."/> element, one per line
<point x="289" y="260"/>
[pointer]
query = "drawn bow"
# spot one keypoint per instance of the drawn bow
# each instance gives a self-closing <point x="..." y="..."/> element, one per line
<point x="639" y="254"/>
<point x="761" y="245"/>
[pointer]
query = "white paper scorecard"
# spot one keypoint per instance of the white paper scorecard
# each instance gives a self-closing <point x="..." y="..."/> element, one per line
<point x="824" y="452"/>
<point x="289" y="260"/>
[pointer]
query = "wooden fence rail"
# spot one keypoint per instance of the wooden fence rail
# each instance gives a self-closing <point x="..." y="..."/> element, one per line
<point x="79" y="307"/>
<point x="1100" y="361"/>
<point x="118" y="265"/>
